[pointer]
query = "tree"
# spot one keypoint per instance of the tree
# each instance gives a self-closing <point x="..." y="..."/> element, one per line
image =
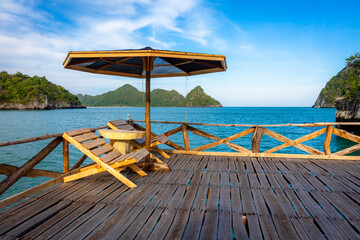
<point x="354" y="60"/>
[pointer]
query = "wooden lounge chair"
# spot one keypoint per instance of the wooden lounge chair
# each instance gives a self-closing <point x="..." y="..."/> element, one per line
<point x="140" y="143"/>
<point x="106" y="157"/>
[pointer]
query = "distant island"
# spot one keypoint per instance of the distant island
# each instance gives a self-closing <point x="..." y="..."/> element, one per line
<point x="22" y="92"/>
<point x="130" y="96"/>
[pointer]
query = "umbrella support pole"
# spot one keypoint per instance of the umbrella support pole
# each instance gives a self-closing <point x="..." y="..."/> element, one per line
<point x="147" y="111"/>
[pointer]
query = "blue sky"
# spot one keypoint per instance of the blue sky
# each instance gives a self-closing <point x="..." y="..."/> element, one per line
<point x="279" y="53"/>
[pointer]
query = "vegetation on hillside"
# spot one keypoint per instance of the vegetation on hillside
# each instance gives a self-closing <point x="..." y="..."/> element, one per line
<point x="345" y="84"/>
<point x="21" y="88"/>
<point x="164" y="98"/>
<point x="128" y="95"/>
<point x="198" y="98"/>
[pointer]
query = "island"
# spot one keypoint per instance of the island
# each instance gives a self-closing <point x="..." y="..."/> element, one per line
<point x="129" y="96"/>
<point x="21" y="92"/>
<point x="343" y="93"/>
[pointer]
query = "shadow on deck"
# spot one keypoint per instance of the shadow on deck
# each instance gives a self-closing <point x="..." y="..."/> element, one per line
<point x="203" y="197"/>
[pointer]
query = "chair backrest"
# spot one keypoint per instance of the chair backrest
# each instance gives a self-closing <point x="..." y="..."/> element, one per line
<point x="120" y="125"/>
<point x="90" y="144"/>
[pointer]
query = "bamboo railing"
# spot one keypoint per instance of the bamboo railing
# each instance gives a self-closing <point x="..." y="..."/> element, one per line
<point x="258" y="131"/>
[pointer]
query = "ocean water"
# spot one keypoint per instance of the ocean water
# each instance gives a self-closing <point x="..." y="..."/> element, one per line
<point x="16" y="125"/>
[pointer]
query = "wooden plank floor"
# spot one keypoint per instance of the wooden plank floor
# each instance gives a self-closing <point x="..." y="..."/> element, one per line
<point x="204" y="197"/>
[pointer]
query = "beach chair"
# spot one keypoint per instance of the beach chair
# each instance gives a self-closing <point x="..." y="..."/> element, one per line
<point x="140" y="143"/>
<point x="104" y="155"/>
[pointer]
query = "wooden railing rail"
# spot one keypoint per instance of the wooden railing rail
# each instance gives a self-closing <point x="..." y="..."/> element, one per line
<point x="258" y="131"/>
<point x="318" y="124"/>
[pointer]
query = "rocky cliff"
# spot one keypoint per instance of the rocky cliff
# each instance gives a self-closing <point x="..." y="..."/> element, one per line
<point x="348" y="111"/>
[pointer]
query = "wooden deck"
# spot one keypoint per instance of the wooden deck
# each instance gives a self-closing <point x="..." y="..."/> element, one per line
<point x="203" y="197"/>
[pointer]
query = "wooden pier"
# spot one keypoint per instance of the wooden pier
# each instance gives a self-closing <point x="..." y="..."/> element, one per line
<point x="243" y="194"/>
<point x="204" y="197"/>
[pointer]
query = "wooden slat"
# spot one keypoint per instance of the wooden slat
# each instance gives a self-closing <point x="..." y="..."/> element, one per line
<point x="347" y="135"/>
<point x="118" y="122"/>
<point x="94" y="143"/>
<point x="110" y="156"/>
<point x="347" y="150"/>
<point x="85" y="137"/>
<point x="101" y="150"/>
<point x="77" y="132"/>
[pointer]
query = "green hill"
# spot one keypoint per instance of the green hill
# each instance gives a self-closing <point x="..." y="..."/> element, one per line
<point x="346" y="84"/>
<point x="198" y="98"/>
<point x="164" y="98"/>
<point x="128" y="95"/>
<point x="22" y="92"/>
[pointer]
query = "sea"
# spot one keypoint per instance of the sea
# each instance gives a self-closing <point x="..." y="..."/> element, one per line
<point x="16" y="125"/>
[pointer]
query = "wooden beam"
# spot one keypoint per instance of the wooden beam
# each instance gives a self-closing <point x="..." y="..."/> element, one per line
<point x="300" y="146"/>
<point x="65" y="156"/>
<point x="256" y="139"/>
<point x="347" y="150"/>
<point x="176" y="65"/>
<point x="185" y="137"/>
<point x="9" y="169"/>
<point x="10" y="180"/>
<point x="228" y="139"/>
<point x="171" y="132"/>
<point x="329" y="132"/>
<point x="347" y="135"/>
<point x="79" y="162"/>
<point x="296" y="141"/>
<point x="213" y="137"/>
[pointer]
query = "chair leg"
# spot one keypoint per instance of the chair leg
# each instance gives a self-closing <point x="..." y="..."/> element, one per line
<point x="156" y="159"/>
<point x="137" y="170"/>
<point x="161" y="152"/>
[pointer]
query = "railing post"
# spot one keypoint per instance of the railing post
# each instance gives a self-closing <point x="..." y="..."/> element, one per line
<point x="329" y="131"/>
<point x="65" y="156"/>
<point x="256" y="138"/>
<point x="186" y="137"/>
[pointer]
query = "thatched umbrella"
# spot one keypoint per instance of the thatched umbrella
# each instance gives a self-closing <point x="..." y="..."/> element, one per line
<point x="146" y="62"/>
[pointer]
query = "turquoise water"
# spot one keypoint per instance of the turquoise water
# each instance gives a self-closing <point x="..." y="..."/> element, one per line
<point x="24" y="124"/>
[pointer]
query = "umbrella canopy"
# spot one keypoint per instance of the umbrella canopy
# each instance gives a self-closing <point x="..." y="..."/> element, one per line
<point x="145" y="62"/>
